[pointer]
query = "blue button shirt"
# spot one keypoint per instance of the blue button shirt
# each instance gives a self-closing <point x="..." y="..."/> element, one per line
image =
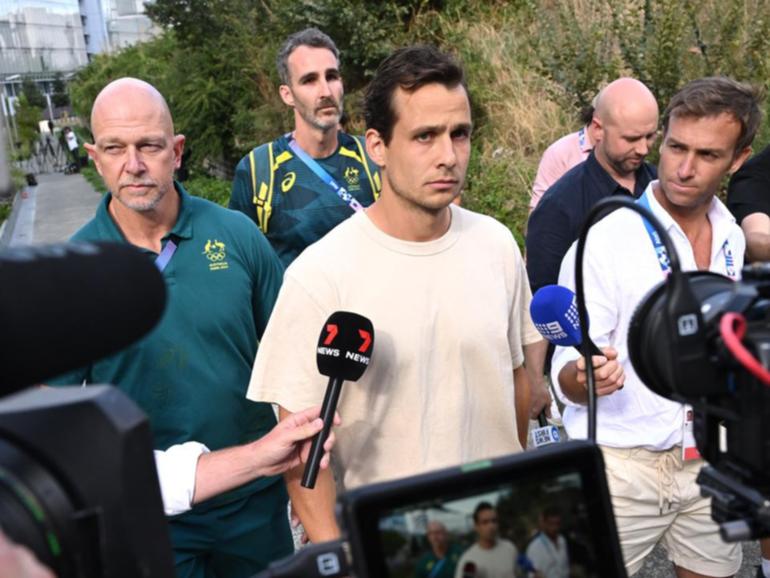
<point x="556" y="221"/>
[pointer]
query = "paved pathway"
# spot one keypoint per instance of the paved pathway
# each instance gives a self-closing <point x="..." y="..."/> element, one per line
<point x="50" y="212"/>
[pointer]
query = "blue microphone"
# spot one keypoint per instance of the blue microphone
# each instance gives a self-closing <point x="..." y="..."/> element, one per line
<point x="555" y="315"/>
<point x="554" y="312"/>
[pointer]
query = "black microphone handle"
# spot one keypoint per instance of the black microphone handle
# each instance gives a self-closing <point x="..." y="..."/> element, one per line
<point x="594" y="350"/>
<point x="328" y="408"/>
<point x="541" y="420"/>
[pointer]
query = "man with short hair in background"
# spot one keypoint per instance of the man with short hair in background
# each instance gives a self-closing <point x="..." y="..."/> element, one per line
<point x="441" y="560"/>
<point x="748" y="198"/>
<point x="548" y="551"/>
<point x="304" y="183"/>
<point x="624" y="127"/>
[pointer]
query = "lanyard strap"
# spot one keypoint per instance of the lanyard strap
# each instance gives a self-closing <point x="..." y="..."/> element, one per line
<point x="322" y="174"/>
<point x="660" y="248"/>
<point x="165" y="255"/>
<point x="437" y="567"/>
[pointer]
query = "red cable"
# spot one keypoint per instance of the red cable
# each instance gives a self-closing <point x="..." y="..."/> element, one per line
<point x="732" y="328"/>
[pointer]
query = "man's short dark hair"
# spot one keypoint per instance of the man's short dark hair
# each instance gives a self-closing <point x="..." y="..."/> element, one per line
<point x="551" y="511"/>
<point x="480" y="507"/>
<point x="713" y="96"/>
<point x="408" y="68"/>
<point x="587" y="114"/>
<point x="308" y="37"/>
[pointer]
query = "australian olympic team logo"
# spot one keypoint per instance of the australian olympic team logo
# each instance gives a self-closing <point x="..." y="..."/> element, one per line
<point x="352" y="175"/>
<point x="216" y="254"/>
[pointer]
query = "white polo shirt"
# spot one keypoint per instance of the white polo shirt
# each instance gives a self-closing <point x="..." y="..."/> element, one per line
<point x="620" y="267"/>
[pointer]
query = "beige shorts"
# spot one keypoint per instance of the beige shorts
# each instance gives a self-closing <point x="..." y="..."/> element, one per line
<point x="655" y="497"/>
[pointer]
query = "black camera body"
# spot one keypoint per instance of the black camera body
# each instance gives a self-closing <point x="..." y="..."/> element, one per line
<point x="731" y="403"/>
<point x="78" y="484"/>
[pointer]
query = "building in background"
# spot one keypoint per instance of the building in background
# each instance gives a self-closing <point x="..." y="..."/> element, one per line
<point x="40" y="39"/>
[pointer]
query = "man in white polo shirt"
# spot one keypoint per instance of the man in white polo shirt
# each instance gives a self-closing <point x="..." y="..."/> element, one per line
<point x="708" y="129"/>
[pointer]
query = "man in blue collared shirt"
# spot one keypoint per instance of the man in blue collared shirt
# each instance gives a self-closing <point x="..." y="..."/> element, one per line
<point x="625" y="125"/>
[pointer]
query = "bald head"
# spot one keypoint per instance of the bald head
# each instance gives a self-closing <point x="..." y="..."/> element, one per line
<point x="625" y="99"/>
<point x="437" y="536"/>
<point x="624" y="128"/>
<point x="434" y="526"/>
<point x="135" y="149"/>
<point x="131" y="97"/>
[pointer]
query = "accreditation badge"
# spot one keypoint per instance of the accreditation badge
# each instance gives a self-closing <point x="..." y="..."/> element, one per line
<point x="689" y="449"/>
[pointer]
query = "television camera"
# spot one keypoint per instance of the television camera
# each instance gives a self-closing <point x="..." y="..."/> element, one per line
<point x="702" y="339"/>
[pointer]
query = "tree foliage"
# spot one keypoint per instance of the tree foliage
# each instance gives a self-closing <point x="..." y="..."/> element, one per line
<point x="531" y="65"/>
<point x="27" y="118"/>
<point x="60" y="96"/>
<point x="32" y="93"/>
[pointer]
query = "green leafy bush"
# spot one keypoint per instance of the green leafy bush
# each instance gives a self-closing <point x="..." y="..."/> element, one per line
<point x="531" y="65"/>
<point x="211" y="188"/>
<point x="94" y="178"/>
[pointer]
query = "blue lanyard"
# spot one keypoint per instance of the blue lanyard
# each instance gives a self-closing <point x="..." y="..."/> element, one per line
<point x="165" y="255"/>
<point x="437" y="568"/>
<point x="322" y="174"/>
<point x="660" y="248"/>
<point x="582" y="138"/>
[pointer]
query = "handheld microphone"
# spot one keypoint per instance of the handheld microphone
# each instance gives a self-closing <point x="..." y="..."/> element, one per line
<point x="554" y="312"/>
<point x="545" y="434"/>
<point x="525" y="564"/>
<point x="469" y="570"/>
<point x="344" y="352"/>
<point x="63" y="306"/>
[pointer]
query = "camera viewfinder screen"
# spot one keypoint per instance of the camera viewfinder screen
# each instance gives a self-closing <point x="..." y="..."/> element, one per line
<point x="530" y="527"/>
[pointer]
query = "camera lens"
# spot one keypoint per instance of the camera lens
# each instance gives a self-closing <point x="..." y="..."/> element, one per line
<point x="35" y="512"/>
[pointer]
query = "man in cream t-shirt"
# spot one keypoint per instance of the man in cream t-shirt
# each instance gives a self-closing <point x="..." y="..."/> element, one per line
<point x="445" y="288"/>
<point x="491" y="556"/>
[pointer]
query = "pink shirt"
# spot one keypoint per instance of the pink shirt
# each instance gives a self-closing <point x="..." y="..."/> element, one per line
<point x="557" y="159"/>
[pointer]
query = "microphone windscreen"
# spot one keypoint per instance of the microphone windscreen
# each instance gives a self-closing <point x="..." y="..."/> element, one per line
<point x="554" y="312"/>
<point x="345" y="346"/>
<point x="469" y="570"/>
<point x="63" y="306"/>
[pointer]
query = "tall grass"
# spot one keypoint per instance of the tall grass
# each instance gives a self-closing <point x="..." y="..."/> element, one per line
<point x="531" y="66"/>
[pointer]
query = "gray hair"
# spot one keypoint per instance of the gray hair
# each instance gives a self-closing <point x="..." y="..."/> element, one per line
<point x="308" y="37"/>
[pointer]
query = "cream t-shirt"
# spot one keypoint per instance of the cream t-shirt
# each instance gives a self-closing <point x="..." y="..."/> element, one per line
<point x="450" y="317"/>
<point x="496" y="562"/>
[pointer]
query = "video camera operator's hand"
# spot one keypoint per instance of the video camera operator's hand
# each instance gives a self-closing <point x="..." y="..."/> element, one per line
<point x="18" y="562"/>
<point x="288" y="443"/>
<point x="608" y="373"/>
